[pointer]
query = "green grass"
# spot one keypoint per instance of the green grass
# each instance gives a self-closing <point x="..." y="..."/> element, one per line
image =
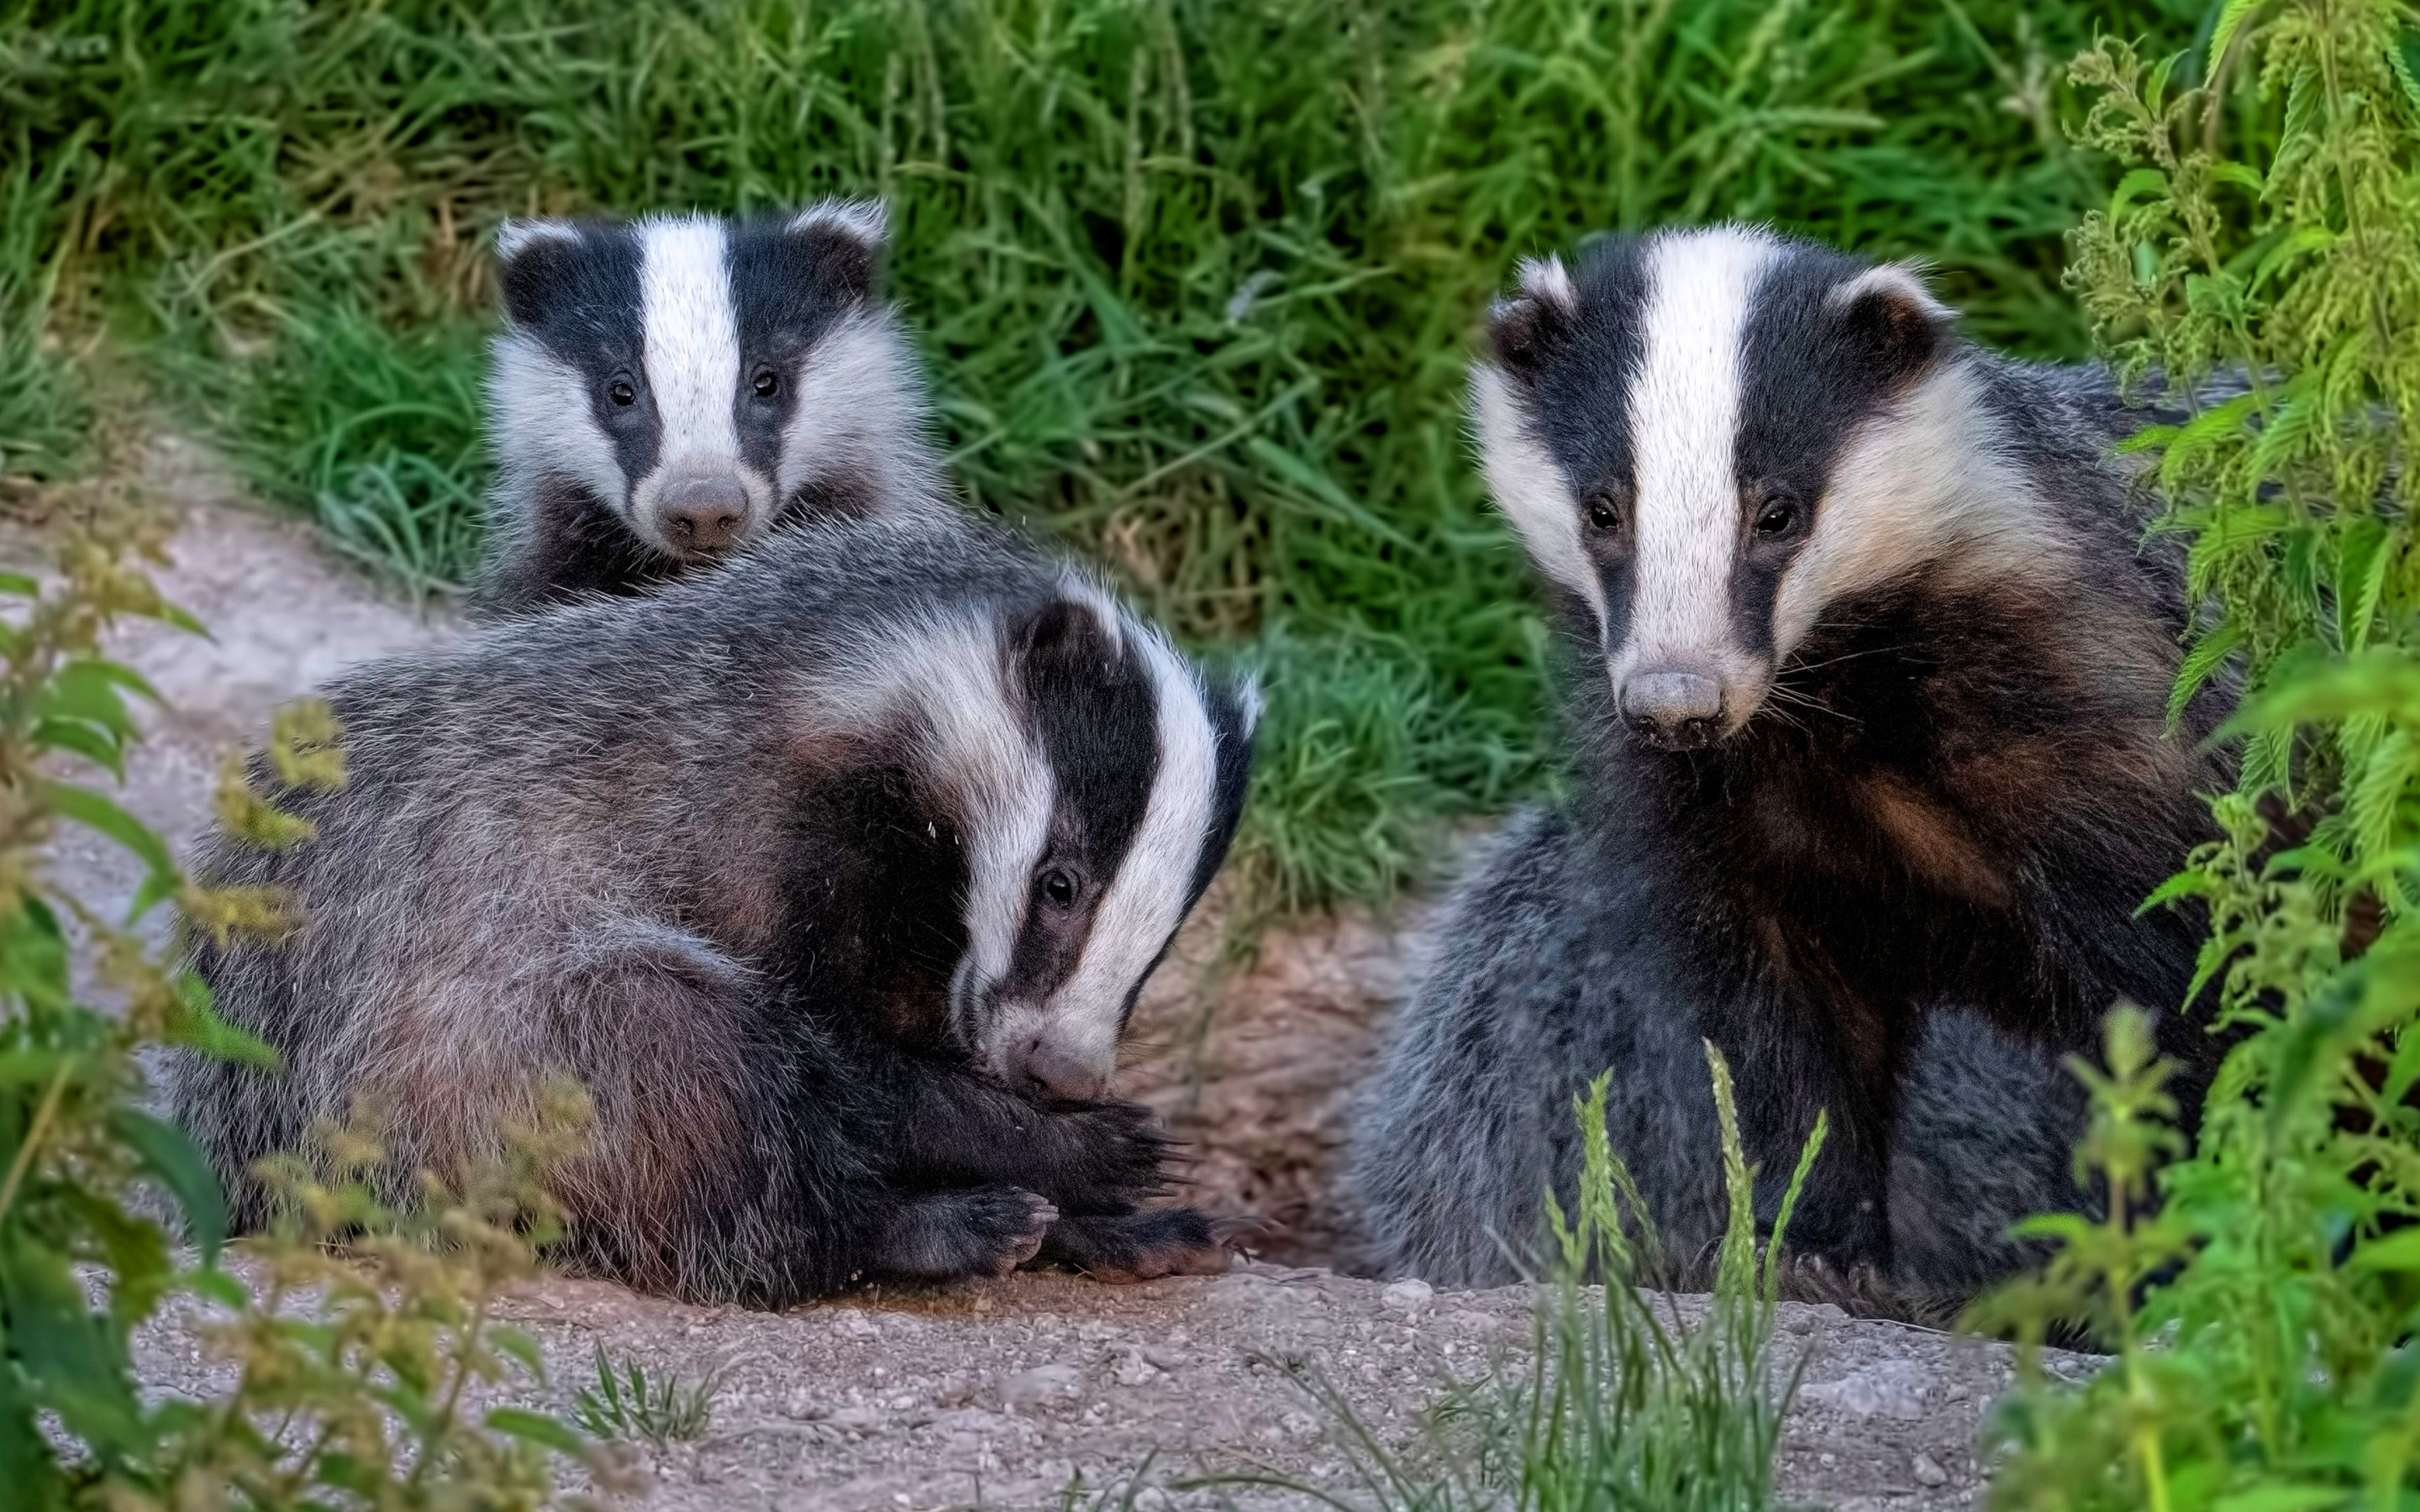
<point x="628" y="1405"/>
<point x="1624" y="1404"/>
<point x="1198" y="278"/>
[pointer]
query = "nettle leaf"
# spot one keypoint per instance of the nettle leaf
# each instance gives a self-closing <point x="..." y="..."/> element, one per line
<point x="98" y="744"/>
<point x="73" y="1359"/>
<point x="170" y="1154"/>
<point x="2139" y="183"/>
<point x="2372" y="804"/>
<point x="538" y="1429"/>
<point x="2362" y="561"/>
<point x="2202" y="663"/>
<point x="103" y="816"/>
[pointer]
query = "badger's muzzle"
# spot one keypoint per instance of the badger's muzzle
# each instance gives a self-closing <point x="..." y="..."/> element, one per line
<point x="702" y="515"/>
<point x="1672" y="709"/>
<point x="1041" y="1066"/>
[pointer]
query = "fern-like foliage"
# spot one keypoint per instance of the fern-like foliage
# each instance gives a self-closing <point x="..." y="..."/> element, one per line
<point x="2258" y="266"/>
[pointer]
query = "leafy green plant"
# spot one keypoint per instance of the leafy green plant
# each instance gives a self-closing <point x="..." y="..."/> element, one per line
<point x="2262" y="251"/>
<point x="624" y="1404"/>
<point x="356" y="1367"/>
<point x="1196" y="278"/>
<point x="1626" y="1401"/>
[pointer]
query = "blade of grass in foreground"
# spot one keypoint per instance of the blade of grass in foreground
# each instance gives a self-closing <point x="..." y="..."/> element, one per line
<point x="1626" y="1401"/>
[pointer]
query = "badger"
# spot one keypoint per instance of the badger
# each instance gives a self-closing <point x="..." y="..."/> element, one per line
<point x="832" y="876"/>
<point x="667" y="390"/>
<point x="1872" y="771"/>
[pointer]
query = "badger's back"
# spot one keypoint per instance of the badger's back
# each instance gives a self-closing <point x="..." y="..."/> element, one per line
<point x="555" y="852"/>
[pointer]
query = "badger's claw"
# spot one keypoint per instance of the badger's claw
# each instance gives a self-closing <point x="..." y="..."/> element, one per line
<point x="1142" y="1246"/>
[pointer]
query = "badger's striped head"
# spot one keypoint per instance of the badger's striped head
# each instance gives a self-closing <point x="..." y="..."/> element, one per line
<point x="1710" y="437"/>
<point x="702" y="377"/>
<point x="1094" y="778"/>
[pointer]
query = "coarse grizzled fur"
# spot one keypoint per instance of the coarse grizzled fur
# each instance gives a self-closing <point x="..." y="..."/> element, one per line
<point x="669" y="390"/>
<point x="1529" y="987"/>
<point x="1872" y="771"/>
<point x="832" y="875"/>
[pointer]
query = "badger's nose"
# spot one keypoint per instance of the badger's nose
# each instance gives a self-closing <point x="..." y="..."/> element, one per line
<point x="702" y="515"/>
<point x="1040" y="1067"/>
<point x="1675" y="710"/>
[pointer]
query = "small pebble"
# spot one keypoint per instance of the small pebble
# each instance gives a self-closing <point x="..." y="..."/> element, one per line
<point x="1407" y="1296"/>
<point x="1041" y="1386"/>
<point x="1929" y="1472"/>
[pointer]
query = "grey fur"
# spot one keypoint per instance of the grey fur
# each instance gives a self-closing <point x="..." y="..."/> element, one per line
<point x="1609" y="934"/>
<point x="664" y="844"/>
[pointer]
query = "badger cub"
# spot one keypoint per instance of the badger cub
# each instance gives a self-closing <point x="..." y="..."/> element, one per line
<point x="1871" y="726"/>
<point x="668" y="390"/>
<point x="833" y="877"/>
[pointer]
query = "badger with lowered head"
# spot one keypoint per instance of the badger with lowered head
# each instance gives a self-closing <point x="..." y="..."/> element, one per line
<point x="1870" y="725"/>
<point x="832" y="875"/>
<point x="668" y="390"/>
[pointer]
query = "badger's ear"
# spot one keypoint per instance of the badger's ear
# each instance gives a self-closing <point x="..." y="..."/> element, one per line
<point x="1064" y="639"/>
<point x="1524" y="329"/>
<point x="534" y="259"/>
<point x="846" y="239"/>
<point x="1891" y="318"/>
<point x="1244" y="692"/>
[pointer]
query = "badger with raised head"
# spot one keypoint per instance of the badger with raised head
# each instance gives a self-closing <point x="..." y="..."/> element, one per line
<point x="832" y="876"/>
<point x="1870" y="725"/>
<point x="667" y="390"/>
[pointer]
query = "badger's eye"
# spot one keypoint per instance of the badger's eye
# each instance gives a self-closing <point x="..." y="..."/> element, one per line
<point x="1776" y="518"/>
<point x="621" y="392"/>
<point x="1059" y="887"/>
<point x="767" y="383"/>
<point x="1601" y="513"/>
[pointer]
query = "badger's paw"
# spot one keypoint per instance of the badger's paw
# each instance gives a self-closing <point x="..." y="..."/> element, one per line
<point x="1116" y="1156"/>
<point x="985" y="1230"/>
<point x="1144" y="1247"/>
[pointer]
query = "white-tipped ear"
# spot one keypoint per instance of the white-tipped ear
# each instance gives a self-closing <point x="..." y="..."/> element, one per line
<point x="1901" y="281"/>
<point x="1246" y="691"/>
<point x="867" y="221"/>
<point x="1084" y="588"/>
<point x="1547" y="281"/>
<point x="516" y="236"/>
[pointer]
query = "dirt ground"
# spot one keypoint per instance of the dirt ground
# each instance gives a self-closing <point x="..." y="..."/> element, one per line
<point x="1003" y="1392"/>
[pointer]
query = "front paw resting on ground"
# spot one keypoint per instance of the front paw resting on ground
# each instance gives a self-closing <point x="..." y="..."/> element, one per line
<point x="1144" y="1247"/>
<point x="986" y="1231"/>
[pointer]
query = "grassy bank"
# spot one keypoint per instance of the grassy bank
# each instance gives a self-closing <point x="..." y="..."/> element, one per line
<point x="1197" y="280"/>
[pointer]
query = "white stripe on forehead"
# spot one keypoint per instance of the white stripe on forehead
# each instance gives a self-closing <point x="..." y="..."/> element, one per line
<point x="692" y="336"/>
<point x="1147" y="900"/>
<point x="1683" y="420"/>
<point x="948" y="668"/>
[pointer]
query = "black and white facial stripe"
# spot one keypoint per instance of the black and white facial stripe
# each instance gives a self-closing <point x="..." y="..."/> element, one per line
<point x="699" y="378"/>
<point x="1098" y="781"/>
<point x="1710" y="435"/>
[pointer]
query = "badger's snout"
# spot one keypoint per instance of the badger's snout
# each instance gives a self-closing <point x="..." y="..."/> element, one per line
<point x="1672" y="709"/>
<point x="1039" y="1066"/>
<point x="702" y="515"/>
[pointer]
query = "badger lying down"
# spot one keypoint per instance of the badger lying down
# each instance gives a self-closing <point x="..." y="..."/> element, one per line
<point x="832" y="875"/>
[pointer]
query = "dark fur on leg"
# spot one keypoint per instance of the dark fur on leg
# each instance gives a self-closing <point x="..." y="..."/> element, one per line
<point x="1138" y="1246"/>
<point x="988" y="1230"/>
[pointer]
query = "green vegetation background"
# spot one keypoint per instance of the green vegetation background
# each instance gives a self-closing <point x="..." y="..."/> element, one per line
<point x="1197" y="279"/>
